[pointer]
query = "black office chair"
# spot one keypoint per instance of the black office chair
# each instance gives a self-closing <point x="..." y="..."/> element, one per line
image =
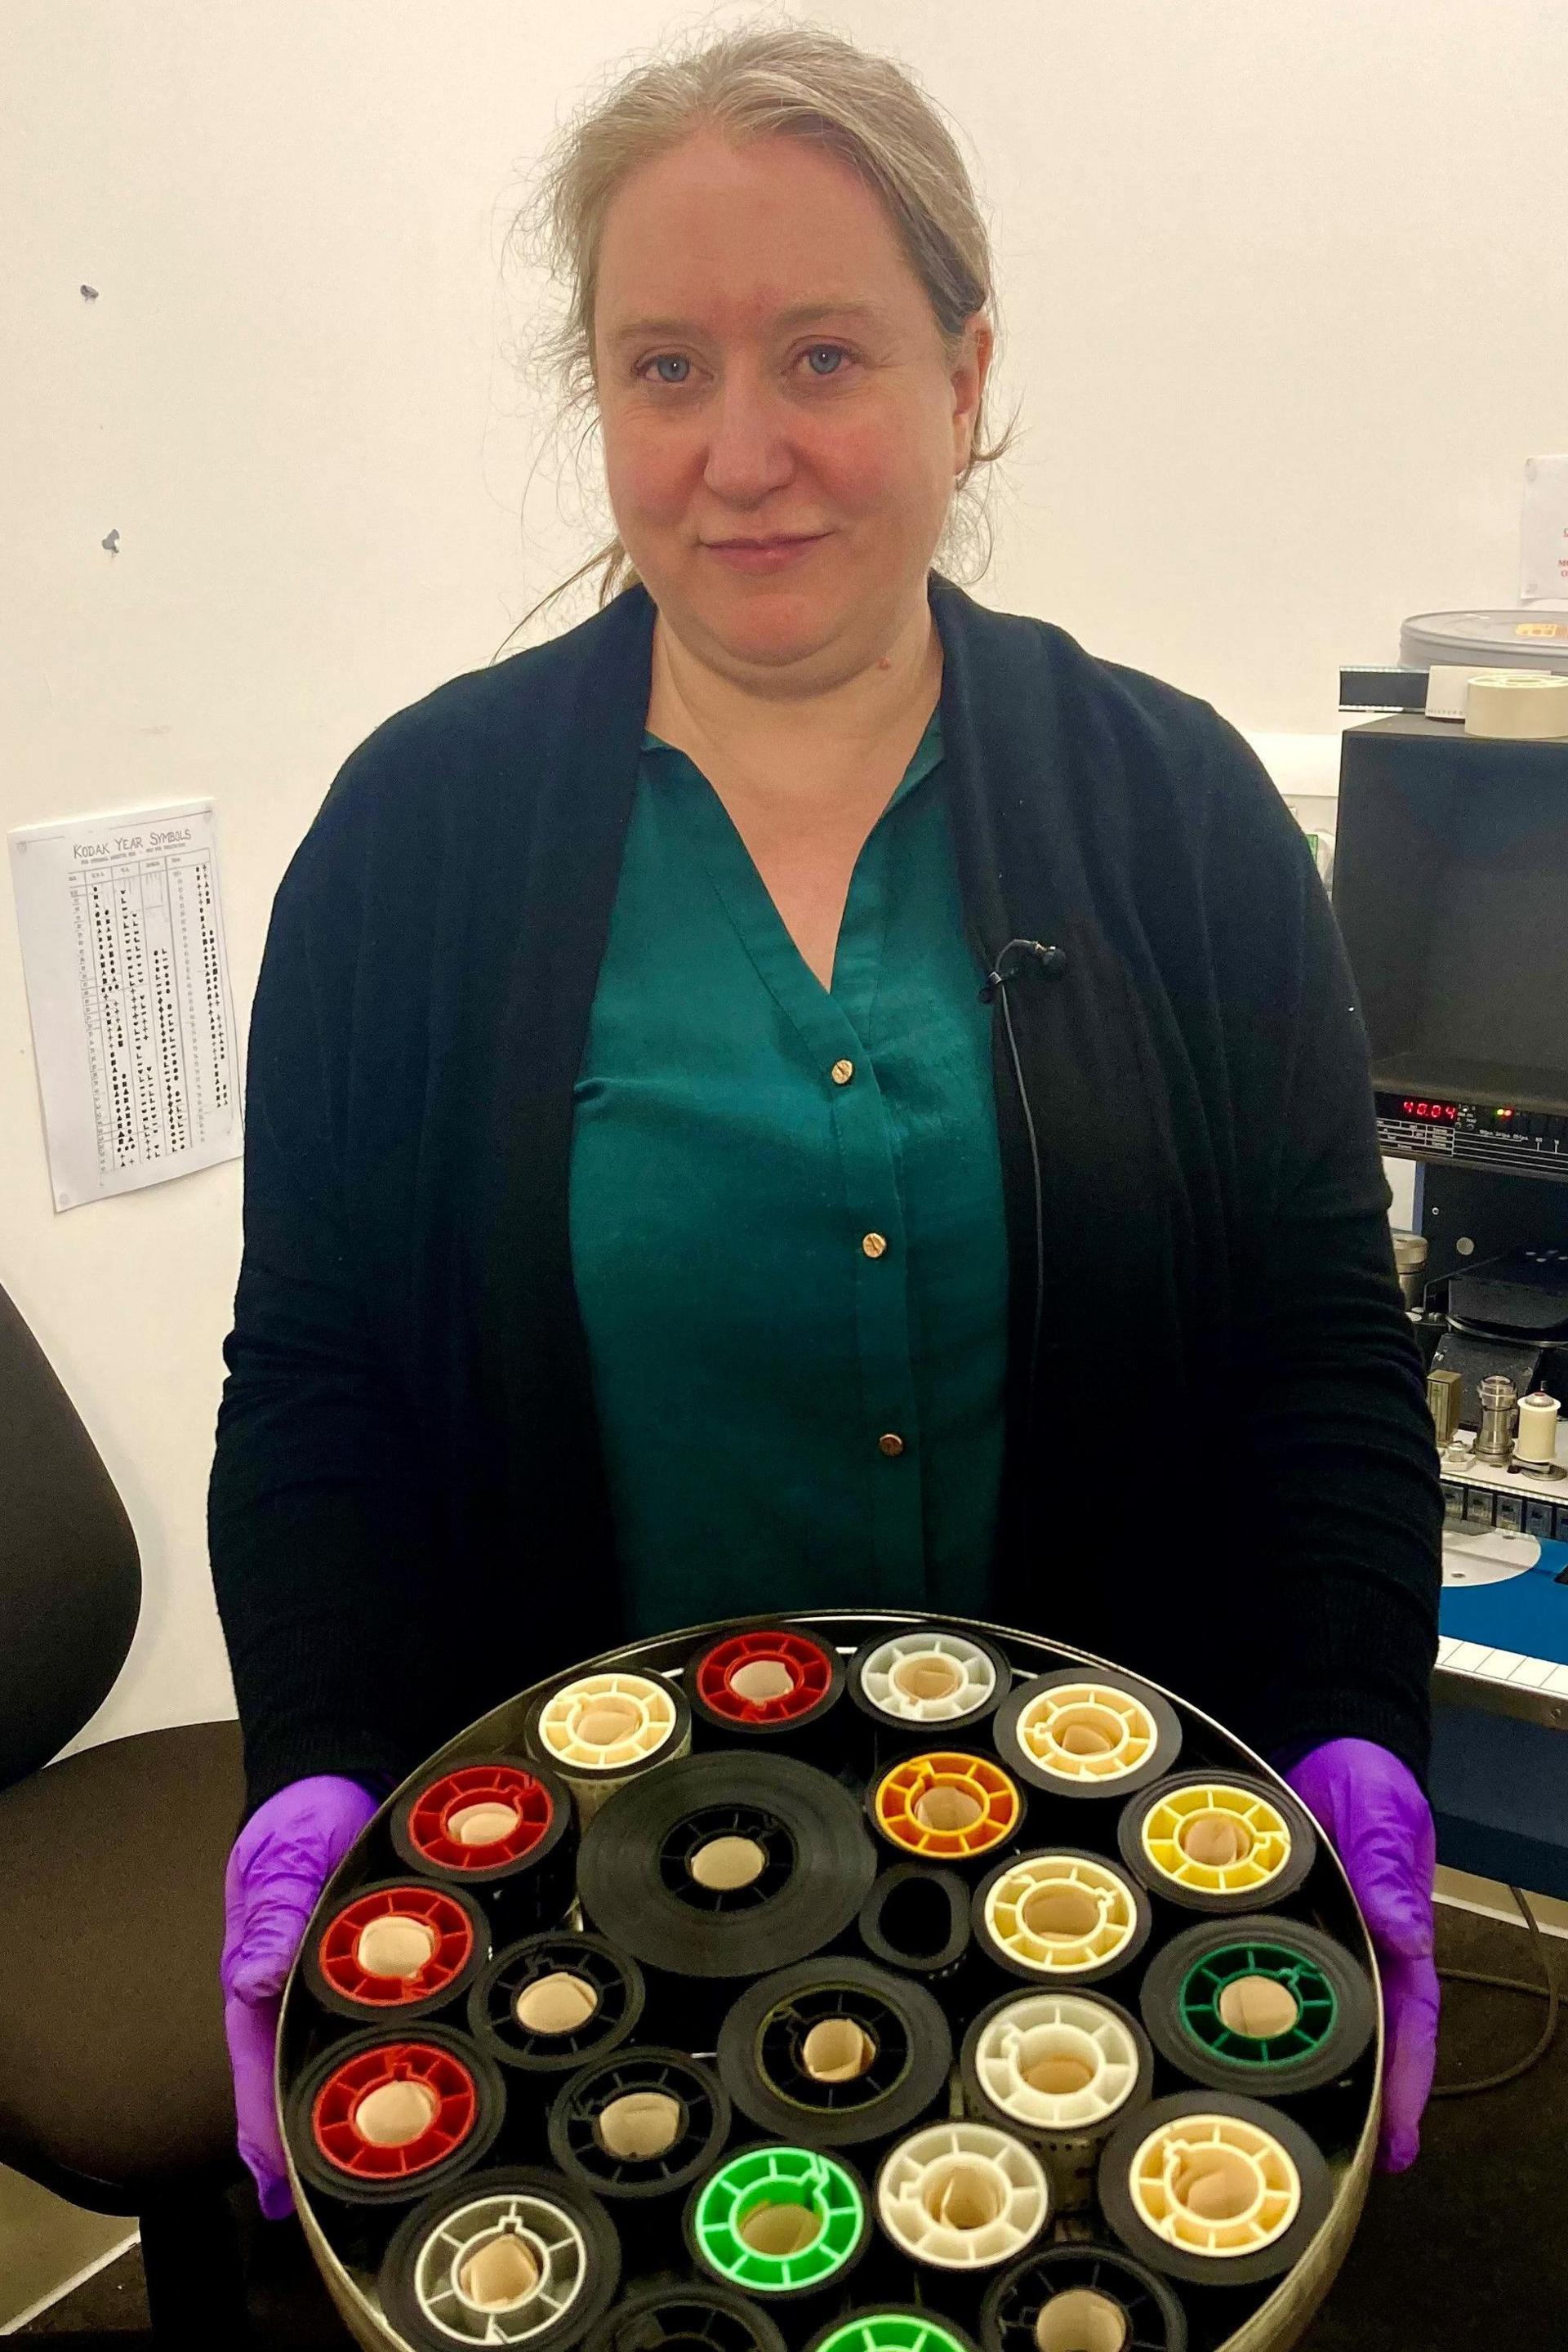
<point x="114" y="2081"/>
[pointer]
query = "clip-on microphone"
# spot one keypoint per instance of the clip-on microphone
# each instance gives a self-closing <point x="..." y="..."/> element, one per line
<point x="1024" y="953"/>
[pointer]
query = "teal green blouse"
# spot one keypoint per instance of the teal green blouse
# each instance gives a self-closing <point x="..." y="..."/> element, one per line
<point x="786" y="1222"/>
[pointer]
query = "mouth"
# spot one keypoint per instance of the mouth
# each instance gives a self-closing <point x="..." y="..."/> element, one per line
<point x="784" y="539"/>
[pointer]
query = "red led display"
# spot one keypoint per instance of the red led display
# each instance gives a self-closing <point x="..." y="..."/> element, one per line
<point x="1414" y="1109"/>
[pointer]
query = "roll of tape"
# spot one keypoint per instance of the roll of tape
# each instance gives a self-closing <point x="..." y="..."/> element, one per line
<point x="1537" y="1439"/>
<point x="1523" y="706"/>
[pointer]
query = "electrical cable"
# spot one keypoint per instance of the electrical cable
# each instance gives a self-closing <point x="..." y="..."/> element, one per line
<point x="1547" y="1991"/>
<point x="1038" y="1190"/>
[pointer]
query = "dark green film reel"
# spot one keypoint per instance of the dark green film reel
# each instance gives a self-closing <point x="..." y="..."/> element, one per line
<point x="1264" y="2005"/>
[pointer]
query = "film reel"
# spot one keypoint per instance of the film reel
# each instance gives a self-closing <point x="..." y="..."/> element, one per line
<point x="382" y="2118"/>
<point x="946" y="1805"/>
<point x="962" y="2197"/>
<point x="772" y="1683"/>
<point x="517" y="2256"/>
<point x="927" y="1682"/>
<point x="498" y="1827"/>
<point x="724" y="1864"/>
<point x="1081" y="2298"/>
<point x="1217" y="1841"/>
<point x="1212" y="2189"/>
<point x="1265" y="2006"/>
<point x="892" y="2327"/>
<point x="783" y="2224"/>
<point x="603" y="1731"/>
<point x="835" y="2052"/>
<point x="686" y="2316"/>
<point x="398" y="1948"/>
<point x="1058" y="2069"/>
<point x="551" y="2001"/>
<point x="1061" y="1915"/>
<point x="1088" y="1735"/>
<point x="640" y="2124"/>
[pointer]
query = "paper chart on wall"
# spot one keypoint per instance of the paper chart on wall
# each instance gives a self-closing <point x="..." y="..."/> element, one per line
<point x="120" y="921"/>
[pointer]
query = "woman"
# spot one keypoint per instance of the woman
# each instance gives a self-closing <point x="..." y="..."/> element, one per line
<point x="807" y="1089"/>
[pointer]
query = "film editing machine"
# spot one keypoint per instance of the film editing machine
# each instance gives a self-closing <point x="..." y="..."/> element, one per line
<point x="1451" y="890"/>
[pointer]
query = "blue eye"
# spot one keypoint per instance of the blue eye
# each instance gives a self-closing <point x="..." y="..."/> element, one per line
<point x="660" y="358"/>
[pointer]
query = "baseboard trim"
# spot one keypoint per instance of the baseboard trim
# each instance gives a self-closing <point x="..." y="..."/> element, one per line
<point x="69" y="2286"/>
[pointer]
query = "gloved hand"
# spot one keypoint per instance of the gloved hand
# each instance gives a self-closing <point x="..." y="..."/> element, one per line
<point x="1373" y="1809"/>
<point x="281" y="1860"/>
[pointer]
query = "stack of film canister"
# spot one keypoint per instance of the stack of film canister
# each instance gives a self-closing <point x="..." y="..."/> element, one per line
<point x="843" y="1982"/>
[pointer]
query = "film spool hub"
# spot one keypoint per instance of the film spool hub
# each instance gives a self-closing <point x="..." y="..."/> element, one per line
<point x="1217" y="2190"/>
<point x="648" y="2048"/>
<point x="892" y="2327"/>
<point x="517" y="2256"/>
<point x="834" y="2052"/>
<point x="962" y="2196"/>
<point x="772" y="1683"/>
<point x="500" y="1827"/>
<point x="381" y="2117"/>
<point x="947" y="1805"/>
<point x="682" y="2314"/>
<point x="927" y="1680"/>
<point x="1062" y="1914"/>
<point x="1217" y="1841"/>
<point x="1078" y="1735"/>
<point x="397" y="1947"/>
<point x="602" y="1730"/>
<point x="783" y="2223"/>
<point x="1263" y="2005"/>
<point x="1058" y="2069"/>
<point x="550" y="2002"/>
<point x="640" y="2123"/>
<point x="1083" y="2297"/>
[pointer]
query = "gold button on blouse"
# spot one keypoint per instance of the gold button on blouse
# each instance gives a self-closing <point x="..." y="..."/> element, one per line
<point x="874" y="1244"/>
<point x="842" y="1073"/>
<point x="891" y="1443"/>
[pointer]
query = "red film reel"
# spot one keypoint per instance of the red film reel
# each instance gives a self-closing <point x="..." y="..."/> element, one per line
<point x="768" y="1679"/>
<point x="516" y="1802"/>
<point x="356" y="1960"/>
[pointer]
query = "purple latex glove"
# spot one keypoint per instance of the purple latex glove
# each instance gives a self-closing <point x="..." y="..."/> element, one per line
<point x="1373" y="1809"/>
<point x="281" y="1860"/>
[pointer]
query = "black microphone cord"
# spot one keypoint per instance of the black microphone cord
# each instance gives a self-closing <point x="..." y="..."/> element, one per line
<point x="1044" y="960"/>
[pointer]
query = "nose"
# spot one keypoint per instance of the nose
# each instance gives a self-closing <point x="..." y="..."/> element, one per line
<point x="749" y="450"/>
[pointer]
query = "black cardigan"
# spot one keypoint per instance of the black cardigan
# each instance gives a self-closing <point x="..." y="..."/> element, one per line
<point x="407" y="1513"/>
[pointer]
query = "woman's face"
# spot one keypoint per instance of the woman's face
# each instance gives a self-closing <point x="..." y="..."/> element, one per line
<point x="724" y="417"/>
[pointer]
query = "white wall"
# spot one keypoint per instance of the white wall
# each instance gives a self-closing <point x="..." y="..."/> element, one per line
<point x="1283" y="289"/>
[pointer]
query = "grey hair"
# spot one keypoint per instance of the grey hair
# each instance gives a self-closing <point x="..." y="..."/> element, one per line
<point x="800" y="81"/>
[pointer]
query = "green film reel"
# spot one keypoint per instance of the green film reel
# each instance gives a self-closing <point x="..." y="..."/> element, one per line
<point x="1211" y="1990"/>
<point x="778" y="2220"/>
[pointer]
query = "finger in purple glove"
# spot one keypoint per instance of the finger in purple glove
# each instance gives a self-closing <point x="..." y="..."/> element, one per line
<point x="1371" y="1806"/>
<point x="281" y="1859"/>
